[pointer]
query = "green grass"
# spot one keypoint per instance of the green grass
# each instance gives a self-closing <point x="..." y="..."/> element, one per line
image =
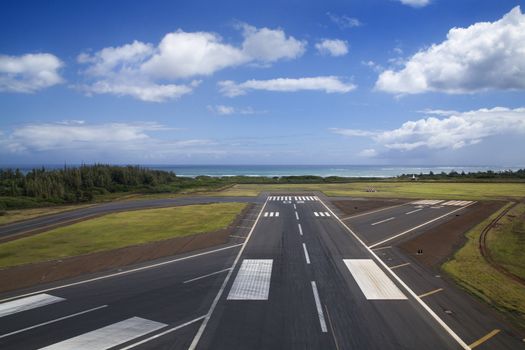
<point x="506" y="242"/>
<point x="118" y="230"/>
<point x="427" y="190"/>
<point x="470" y="270"/>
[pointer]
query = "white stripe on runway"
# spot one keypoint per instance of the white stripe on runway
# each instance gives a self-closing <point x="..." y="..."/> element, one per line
<point x="266" y="214"/>
<point x="109" y="336"/>
<point x="52" y="321"/>
<point x="380" y="222"/>
<point x="252" y="281"/>
<point x="374" y="283"/>
<point x="277" y="214"/>
<point x="413" y="211"/>
<point x="32" y="302"/>
<point x="300" y="229"/>
<point x="208" y="275"/>
<point x="316" y="213"/>
<point x="326" y="213"/>
<point x="271" y="214"/>
<point x="307" y="257"/>
<point x="296" y="216"/>
<point x="319" y="308"/>
<point x="321" y="213"/>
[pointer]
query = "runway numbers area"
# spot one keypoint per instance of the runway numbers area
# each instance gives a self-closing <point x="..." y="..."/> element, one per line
<point x="252" y="281"/>
<point x="374" y="283"/>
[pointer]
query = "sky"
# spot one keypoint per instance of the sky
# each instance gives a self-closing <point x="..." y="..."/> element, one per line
<point x="370" y="82"/>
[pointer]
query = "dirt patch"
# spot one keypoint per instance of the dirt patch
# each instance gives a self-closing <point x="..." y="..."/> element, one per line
<point x="352" y="207"/>
<point x="441" y="242"/>
<point x="29" y="275"/>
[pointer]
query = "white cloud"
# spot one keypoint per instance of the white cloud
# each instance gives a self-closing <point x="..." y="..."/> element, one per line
<point x="328" y="84"/>
<point x="141" y="70"/>
<point x="484" y="56"/>
<point x="368" y="153"/>
<point x="229" y="110"/>
<point x="334" y="47"/>
<point x="344" y="21"/>
<point x="29" y="73"/>
<point x="415" y="3"/>
<point x="453" y="132"/>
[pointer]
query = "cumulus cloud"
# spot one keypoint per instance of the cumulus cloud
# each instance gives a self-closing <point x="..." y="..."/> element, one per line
<point x="141" y="69"/>
<point x="484" y="56"/>
<point x="344" y="21"/>
<point x="415" y="3"/>
<point x="29" y="73"/>
<point x="328" y="84"/>
<point x="456" y="131"/>
<point x="334" y="47"/>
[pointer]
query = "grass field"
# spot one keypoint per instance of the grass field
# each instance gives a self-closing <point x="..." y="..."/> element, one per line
<point x="470" y="270"/>
<point x="427" y="190"/>
<point x="118" y="230"/>
<point x="23" y="214"/>
<point x="506" y="242"/>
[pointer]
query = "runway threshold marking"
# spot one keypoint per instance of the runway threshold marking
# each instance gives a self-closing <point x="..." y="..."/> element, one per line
<point x="170" y="330"/>
<point x="427" y="308"/>
<point x="124" y="272"/>
<point x="400" y="265"/>
<point x="382" y="221"/>
<point x="430" y="293"/>
<point x="24" y="304"/>
<point x="320" y="313"/>
<point x="418" y="226"/>
<point x="109" y="336"/>
<point x="374" y="283"/>
<point x="306" y="256"/>
<point x="52" y="321"/>
<point x="215" y="301"/>
<point x="207" y="275"/>
<point x="484" y="338"/>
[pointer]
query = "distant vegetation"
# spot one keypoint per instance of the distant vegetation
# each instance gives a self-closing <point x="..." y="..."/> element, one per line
<point x="86" y="183"/>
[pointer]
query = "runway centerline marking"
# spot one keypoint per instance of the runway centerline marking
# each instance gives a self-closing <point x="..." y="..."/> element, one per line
<point x="29" y="303"/>
<point x="296" y="216"/>
<point x="170" y="330"/>
<point x="52" y="321"/>
<point x="484" y="338"/>
<point x="415" y="228"/>
<point x="430" y="293"/>
<point x="400" y="265"/>
<point x="320" y="313"/>
<point x="382" y="221"/>
<point x="414" y="211"/>
<point x="307" y="257"/>
<point x="208" y="275"/>
<point x="427" y="308"/>
<point x="125" y="272"/>
<point x="300" y="229"/>
<point x="109" y="336"/>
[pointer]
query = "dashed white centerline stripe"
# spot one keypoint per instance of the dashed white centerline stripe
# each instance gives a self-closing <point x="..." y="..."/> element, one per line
<point x="413" y="211"/>
<point x="300" y="229"/>
<point x="380" y="222"/>
<point x="319" y="308"/>
<point x="296" y="216"/>
<point x="294" y="206"/>
<point x="306" y="256"/>
<point x="52" y="321"/>
<point x="208" y="275"/>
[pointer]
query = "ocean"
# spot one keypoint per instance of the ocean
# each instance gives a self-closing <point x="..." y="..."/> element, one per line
<point x="378" y="171"/>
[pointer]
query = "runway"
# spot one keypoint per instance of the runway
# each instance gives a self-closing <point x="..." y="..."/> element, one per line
<point x="293" y="280"/>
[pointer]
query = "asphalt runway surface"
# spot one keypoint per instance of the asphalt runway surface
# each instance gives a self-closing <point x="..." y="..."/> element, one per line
<point x="298" y="276"/>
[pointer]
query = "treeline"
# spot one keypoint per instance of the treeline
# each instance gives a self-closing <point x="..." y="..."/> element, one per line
<point x="480" y="175"/>
<point x="77" y="184"/>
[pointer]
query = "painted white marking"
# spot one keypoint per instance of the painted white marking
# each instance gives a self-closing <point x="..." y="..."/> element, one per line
<point x="52" y="321"/>
<point x="319" y="308"/>
<point x="266" y="214"/>
<point x="163" y="333"/>
<point x="374" y="283"/>
<point x="415" y="228"/>
<point x="427" y="308"/>
<point x="372" y="212"/>
<point x="316" y="213"/>
<point x="271" y="214"/>
<point x="208" y="275"/>
<point x="295" y="206"/>
<point x="326" y="213"/>
<point x="413" y="211"/>
<point x="126" y="272"/>
<point x="109" y="336"/>
<point x="300" y="229"/>
<point x="321" y="213"/>
<point x="380" y="222"/>
<point x="204" y="324"/>
<point x="306" y="256"/>
<point x="277" y="214"/>
<point x="299" y="202"/>
<point x="32" y="302"/>
<point x="252" y="281"/>
<point x="296" y="216"/>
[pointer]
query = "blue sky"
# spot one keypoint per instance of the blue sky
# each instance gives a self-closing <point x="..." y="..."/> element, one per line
<point x="272" y="82"/>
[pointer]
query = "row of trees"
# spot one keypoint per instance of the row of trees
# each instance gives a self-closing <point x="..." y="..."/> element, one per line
<point x="489" y="174"/>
